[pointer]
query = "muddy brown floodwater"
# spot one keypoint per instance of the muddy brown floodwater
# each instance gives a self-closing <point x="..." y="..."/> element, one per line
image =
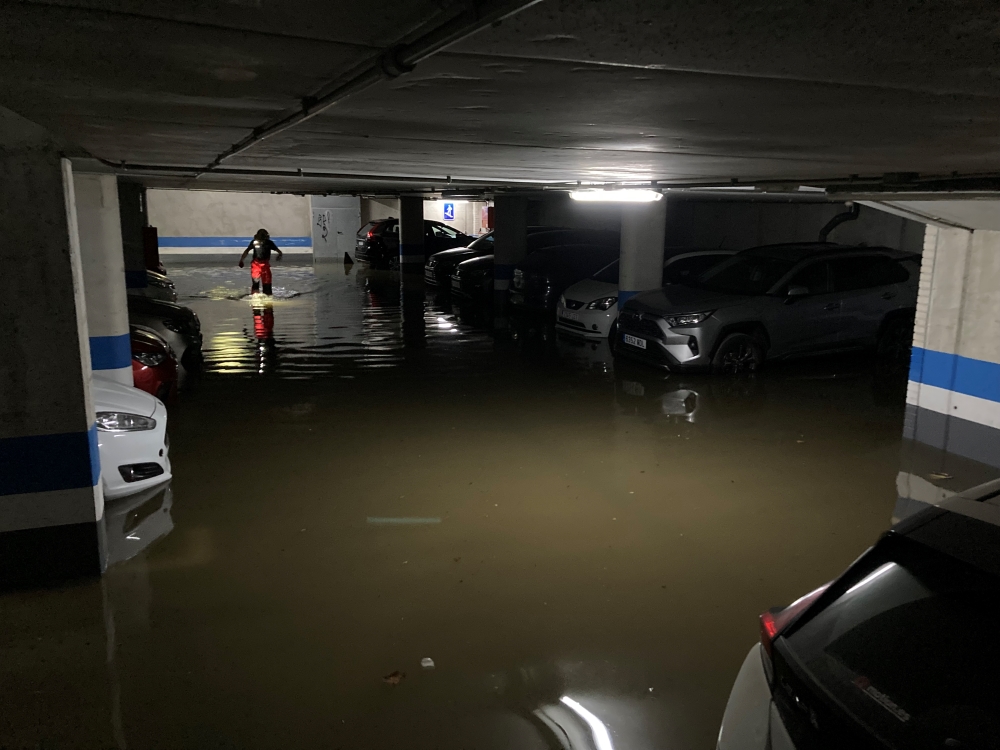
<point x="359" y="487"/>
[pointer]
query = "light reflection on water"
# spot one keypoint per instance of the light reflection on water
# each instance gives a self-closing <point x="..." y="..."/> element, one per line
<point x="324" y="321"/>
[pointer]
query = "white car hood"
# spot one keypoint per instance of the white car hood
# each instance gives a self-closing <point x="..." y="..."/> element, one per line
<point x="112" y="396"/>
<point x="588" y="290"/>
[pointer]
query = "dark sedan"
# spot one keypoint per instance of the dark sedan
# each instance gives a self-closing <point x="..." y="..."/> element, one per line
<point x="473" y="279"/>
<point x="440" y="266"/>
<point x="378" y="241"/>
<point x="177" y="325"/>
<point x="546" y="274"/>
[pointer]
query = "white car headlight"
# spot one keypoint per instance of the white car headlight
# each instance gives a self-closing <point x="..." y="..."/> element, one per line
<point x="604" y="303"/>
<point x="120" y="421"/>
<point x="689" y="319"/>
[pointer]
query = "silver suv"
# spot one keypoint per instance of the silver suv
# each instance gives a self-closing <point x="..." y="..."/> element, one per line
<point x="773" y="302"/>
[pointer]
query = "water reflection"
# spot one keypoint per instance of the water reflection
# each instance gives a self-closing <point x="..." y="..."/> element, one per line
<point x="134" y="522"/>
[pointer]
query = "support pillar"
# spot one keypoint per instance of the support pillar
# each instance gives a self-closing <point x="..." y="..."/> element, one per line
<point x="411" y="234"/>
<point x="50" y="492"/>
<point x="510" y="245"/>
<point x="643" y="231"/>
<point x="134" y="218"/>
<point x="411" y="267"/>
<point x="104" y="275"/>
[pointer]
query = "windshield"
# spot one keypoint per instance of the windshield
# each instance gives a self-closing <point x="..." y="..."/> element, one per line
<point x="910" y="649"/>
<point x="744" y="274"/>
<point x="608" y="274"/>
<point x="483" y="243"/>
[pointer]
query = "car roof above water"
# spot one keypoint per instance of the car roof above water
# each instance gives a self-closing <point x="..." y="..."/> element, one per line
<point x="796" y="251"/>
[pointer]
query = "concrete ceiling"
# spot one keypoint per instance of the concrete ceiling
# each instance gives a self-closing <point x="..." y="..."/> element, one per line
<point x="564" y="91"/>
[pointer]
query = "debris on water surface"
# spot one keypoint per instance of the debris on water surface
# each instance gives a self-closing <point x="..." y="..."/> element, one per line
<point x="394" y="679"/>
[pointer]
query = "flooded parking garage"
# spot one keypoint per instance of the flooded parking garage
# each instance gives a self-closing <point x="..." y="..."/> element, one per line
<point x="574" y="544"/>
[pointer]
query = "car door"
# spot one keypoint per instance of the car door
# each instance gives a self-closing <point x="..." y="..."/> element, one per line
<point x="808" y="323"/>
<point x="868" y="287"/>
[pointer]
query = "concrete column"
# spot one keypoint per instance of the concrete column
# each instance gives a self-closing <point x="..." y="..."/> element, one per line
<point x="509" y="238"/>
<point x="411" y="267"/>
<point x="104" y="275"/>
<point x="411" y="234"/>
<point x="643" y="231"/>
<point x="50" y="492"/>
<point x="132" y="210"/>
<point x="953" y="394"/>
<point x="510" y="245"/>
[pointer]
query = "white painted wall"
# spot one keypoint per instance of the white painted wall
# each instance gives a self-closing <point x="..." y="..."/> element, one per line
<point x="468" y="215"/>
<point x="210" y="213"/>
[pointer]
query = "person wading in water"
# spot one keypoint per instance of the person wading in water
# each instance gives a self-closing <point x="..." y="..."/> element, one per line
<point x="260" y="267"/>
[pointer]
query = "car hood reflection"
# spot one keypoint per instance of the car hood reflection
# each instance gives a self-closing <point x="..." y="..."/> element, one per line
<point x="134" y="522"/>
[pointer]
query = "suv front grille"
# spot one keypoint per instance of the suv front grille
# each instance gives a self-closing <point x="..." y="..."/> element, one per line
<point x="636" y="322"/>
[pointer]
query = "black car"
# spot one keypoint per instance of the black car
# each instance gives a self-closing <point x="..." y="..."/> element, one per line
<point x="178" y="325"/>
<point x="544" y="275"/>
<point x="900" y="651"/>
<point x="473" y="279"/>
<point x="378" y="241"/>
<point x="440" y="266"/>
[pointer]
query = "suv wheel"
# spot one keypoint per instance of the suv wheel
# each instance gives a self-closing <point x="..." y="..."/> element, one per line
<point x="738" y="354"/>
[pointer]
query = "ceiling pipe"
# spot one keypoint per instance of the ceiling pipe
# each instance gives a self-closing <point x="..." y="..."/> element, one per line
<point x="391" y="63"/>
<point x="851" y="214"/>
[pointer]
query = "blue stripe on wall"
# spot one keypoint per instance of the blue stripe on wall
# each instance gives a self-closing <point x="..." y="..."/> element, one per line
<point x="973" y="377"/>
<point x="44" y="463"/>
<point x="240" y="242"/>
<point x="110" y="352"/>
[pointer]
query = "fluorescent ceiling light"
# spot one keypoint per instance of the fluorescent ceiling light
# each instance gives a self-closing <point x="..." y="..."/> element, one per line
<point x="616" y="196"/>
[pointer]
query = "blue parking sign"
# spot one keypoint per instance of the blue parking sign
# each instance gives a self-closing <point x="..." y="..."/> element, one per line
<point x="449" y="212"/>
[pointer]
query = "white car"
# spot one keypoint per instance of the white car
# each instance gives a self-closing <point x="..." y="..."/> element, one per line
<point x="589" y="308"/>
<point x="131" y="437"/>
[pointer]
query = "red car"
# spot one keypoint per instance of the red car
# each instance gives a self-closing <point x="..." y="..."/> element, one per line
<point x="154" y="367"/>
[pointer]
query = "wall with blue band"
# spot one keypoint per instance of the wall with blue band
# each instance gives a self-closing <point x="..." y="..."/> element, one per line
<point x="240" y="242"/>
<point x="110" y="352"/>
<point x="973" y="377"/>
<point x="44" y="463"/>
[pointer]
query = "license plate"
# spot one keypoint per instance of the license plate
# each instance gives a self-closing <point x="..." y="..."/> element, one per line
<point x="570" y="315"/>
<point x="634" y="341"/>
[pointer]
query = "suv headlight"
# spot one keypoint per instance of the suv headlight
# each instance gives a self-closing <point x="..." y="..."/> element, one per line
<point x="149" y="359"/>
<point x="604" y="303"/>
<point x="689" y="319"/>
<point x="120" y="421"/>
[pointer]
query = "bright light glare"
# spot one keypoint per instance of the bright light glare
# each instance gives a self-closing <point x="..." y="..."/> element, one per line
<point x="616" y="196"/>
<point x="877" y="573"/>
<point x="602" y="740"/>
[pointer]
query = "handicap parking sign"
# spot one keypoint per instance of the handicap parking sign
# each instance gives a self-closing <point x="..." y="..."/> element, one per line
<point x="449" y="212"/>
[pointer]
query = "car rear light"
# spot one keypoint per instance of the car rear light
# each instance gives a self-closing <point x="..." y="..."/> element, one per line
<point x="371" y="233"/>
<point x="774" y="621"/>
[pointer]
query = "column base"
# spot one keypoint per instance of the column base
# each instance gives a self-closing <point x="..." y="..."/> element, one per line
<point x="51" y="555"/>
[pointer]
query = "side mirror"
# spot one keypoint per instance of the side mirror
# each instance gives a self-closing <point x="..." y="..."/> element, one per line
<point x="796" y="293"/>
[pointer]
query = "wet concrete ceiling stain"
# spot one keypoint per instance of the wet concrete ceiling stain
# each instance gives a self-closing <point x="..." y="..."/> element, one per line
<point x="769" y="90"/>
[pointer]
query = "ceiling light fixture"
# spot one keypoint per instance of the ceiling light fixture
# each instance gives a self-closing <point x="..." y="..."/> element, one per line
<point x="616" y="196"/>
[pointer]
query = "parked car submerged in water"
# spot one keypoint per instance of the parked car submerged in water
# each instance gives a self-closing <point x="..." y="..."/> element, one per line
<point x="154" y="366"/>
<point x="900" y="651"/>
<point x="131" y="438"/>
<point x="378" y="241"/>
<point x="177" y="325"/>
<point x="589" y="308"/>
<point x="771" y="302"/>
